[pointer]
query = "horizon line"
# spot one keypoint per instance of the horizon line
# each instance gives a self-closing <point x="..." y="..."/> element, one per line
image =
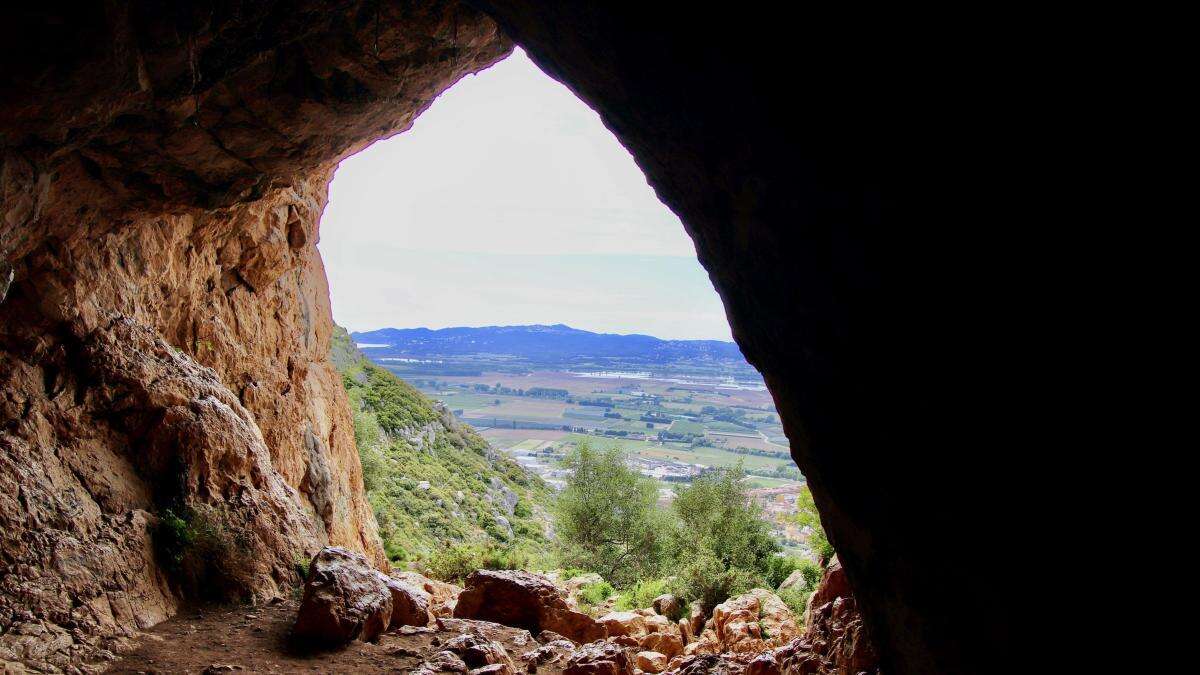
<point x="547" y="325"/>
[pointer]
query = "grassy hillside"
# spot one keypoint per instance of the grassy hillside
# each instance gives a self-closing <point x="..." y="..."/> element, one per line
<point x="434" y="484"/>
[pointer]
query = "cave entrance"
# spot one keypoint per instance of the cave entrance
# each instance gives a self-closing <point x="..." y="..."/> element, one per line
<point x="509" y="204"/>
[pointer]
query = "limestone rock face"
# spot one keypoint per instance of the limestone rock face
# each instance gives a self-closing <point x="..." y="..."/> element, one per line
<point x="524" y="600"/>
<point x="164" y="315"/>
<point x="750" y="623"/>
<point x="344" y="599"/>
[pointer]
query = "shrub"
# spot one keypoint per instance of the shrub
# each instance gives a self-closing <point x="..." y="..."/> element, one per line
<point x="641" y="594"/>
<point x="807" y="516"/>
<point x="203" y="553"/>
<point x="453" y="563"/>
<point x="595" y="593"/>
<point x="719" y="520"/>
<point x="797" y="600"/>
<point x="708" y="582"/>
<point x="302" y="564"/>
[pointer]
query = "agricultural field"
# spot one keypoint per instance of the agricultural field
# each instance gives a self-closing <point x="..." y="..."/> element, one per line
<point x="671" y="431"/>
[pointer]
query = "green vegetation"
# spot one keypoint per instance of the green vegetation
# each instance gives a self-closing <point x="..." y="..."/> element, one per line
<point x="713" y="535"/>
<point x="595" y="593"/>
<point x="440" y="494"/>
<point x="607" y="518"/>
<point x="202" y="552"/>
<point x="807" y="516"/>
<point x="642" y="594"/>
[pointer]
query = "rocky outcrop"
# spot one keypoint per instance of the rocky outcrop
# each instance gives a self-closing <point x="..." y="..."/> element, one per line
<point x="526" y="601"/>
<point x="166" y="162"/>
<point x="834" y="642"/>
<point x="165" y="324"/>
<point x="750" y="623"/>
<point x="344" y="599"/>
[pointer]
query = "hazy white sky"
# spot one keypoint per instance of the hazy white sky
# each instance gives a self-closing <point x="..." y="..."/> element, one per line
<point x="508" y="202"/>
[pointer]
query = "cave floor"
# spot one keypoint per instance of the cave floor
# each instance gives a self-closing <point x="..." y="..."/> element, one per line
<point x="256" y="639"/>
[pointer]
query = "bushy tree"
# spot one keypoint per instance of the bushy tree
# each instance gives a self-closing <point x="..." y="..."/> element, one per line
<point x="716" y="516"/>
<point x="807" y="516"/>
<point x="607" y="518"/>
<point x="722" y="545"/>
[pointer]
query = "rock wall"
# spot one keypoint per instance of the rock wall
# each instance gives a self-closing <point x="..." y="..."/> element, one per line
<point x="854" y="184"/>
<point x="164" y="340"/>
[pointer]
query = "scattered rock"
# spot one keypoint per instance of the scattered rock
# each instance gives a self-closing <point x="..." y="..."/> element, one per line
<point x="551" y="652"/>
<point x="668" y="605"/>
<point x="494" y="669"/>
<point x="650" y="662"/>
<point x="624" y="623"/>
<point x="442" y="662"/>
<point x="524" y="600"/>
<point x="344" y="598"/>
<point x="599" y="658"/>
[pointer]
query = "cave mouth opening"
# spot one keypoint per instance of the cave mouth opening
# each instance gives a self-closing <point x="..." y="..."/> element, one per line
<point x="509" y="204"/>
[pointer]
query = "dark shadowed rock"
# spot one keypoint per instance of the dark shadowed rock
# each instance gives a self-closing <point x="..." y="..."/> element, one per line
<point x="344" y="598"/>
<point x="477" y="651"/>
<point x="599" y="658"/>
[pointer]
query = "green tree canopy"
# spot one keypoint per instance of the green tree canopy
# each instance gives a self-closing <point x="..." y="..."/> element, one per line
<point x="608" y="521"/>
<point x="717" y="517"/>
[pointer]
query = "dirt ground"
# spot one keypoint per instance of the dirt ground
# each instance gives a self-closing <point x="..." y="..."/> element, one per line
<point x="257" y="640"/>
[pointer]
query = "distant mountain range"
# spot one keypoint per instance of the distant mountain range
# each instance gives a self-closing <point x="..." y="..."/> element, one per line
<point x="543" y="344"/>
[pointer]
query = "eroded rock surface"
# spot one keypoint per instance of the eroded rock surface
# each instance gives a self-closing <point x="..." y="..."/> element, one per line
<point x="164" y="328"/>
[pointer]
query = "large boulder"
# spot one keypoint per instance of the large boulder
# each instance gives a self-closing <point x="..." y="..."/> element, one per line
<point x="668" y="643"/>
<point x="599" y="658"/>
<point x="344" y="598"/>
<point x="524" y="600"/>
<point x="518" y="638"/>
<point x="410" y="605"/>
<point x="795" y="579"/>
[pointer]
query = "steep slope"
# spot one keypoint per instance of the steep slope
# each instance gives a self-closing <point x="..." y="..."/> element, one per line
<point x="433" y="482"/>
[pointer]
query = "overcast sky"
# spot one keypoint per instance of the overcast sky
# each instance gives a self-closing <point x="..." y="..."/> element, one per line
<point x="508" y="202"/>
